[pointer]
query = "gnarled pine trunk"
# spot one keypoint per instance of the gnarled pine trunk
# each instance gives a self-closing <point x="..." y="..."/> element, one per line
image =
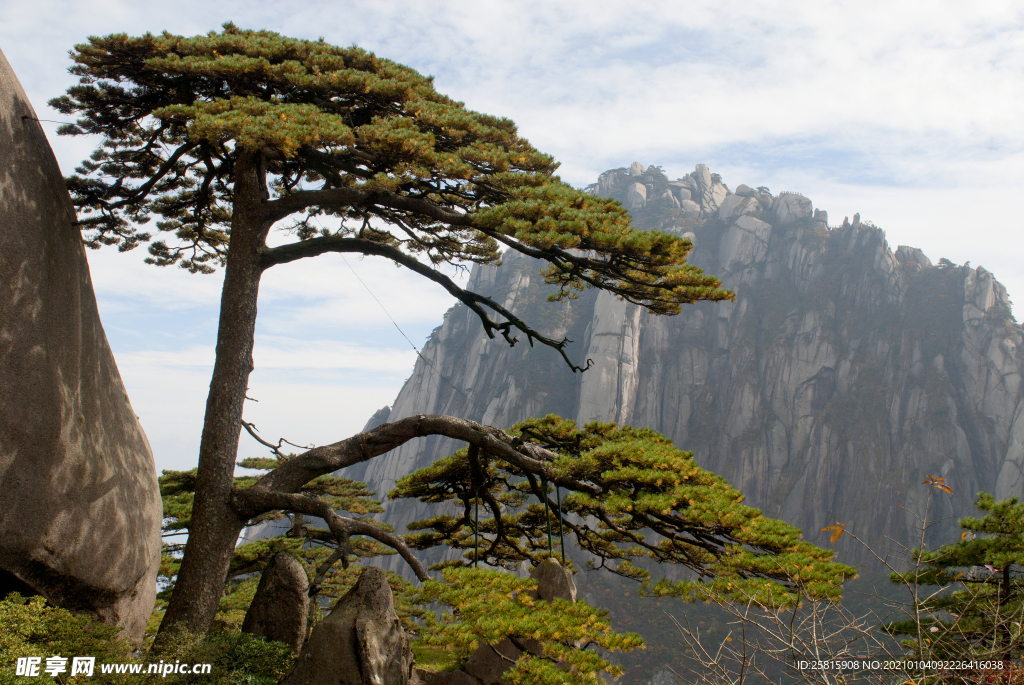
<point x="215" y="526"/>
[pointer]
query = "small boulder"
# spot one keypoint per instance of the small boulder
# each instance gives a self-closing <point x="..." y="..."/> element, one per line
<point x="554" y="581"/>
<point x="912" y="258"/>
<point x="489" y="662"/>
<point x="444" y="677"/>
<point x="667" y="195"/>
<point x="278" y="611"/>
<point x="743" y="190"/>
<point x="361" y="643"/>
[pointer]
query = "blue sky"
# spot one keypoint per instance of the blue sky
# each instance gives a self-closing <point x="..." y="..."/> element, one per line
<point x="909" y="113"/>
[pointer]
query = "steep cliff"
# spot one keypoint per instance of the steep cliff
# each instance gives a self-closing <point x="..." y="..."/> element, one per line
<point x="841" y="376"/>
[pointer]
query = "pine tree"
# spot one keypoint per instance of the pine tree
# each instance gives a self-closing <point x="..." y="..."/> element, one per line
<point x="222" y="137"/>
<point x="972" y="601"/>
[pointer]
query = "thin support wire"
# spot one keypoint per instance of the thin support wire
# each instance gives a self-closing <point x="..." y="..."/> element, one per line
<point x="476" y="529"/>
<point x="449" y="381"/>
<point x="547" y="517"/>
<point x="561" y="533"/>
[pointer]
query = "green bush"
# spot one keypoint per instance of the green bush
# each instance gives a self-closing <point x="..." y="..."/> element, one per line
<point x="236" y="658"/>
<point x="32" y="628"/>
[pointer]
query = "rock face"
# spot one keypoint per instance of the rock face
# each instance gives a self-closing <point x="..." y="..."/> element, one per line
<point x="664" y="678"/>
<point x="636" y="196"/>
<point x="280" y="608"/>
<point x="841" y="376"/>
<point x="81" y="513"/>
<point x="360" y="643"/>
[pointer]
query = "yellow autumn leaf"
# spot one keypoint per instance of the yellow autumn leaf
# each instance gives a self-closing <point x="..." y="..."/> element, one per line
<point x="837" y="531"/>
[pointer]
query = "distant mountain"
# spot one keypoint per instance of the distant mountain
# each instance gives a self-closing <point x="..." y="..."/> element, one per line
<point x="843" y="374"/>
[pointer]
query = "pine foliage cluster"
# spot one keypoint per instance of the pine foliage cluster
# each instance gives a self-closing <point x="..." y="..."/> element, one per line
<point x="344" y="134"/>
<point x="638" y="497"/>
<point x="559" y="637"/>
<point x="971" y="602"/>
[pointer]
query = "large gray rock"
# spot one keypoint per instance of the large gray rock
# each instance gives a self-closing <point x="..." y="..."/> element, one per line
<point x="912" y="258"/>
<point x="362" y="642"/>
<point x="668" y="195"/>
<point x="636" y="196"/>
<point x="81" y="511"/>
<point x="614" y="347"/>
<point x="701" y="176"/>
<point x="688" y="183"/>
<point x="681" y="190"/>
<point x="710" y="192"/>
<point x="736" y="205"/>
<point x="689" y="207"/>
<point x="636" y="169"/>
<point x="281" y="606"/>
<point x="790" y="208"/>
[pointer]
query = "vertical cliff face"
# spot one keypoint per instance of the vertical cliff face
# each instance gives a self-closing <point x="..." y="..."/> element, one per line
<point x="843" y="374"/>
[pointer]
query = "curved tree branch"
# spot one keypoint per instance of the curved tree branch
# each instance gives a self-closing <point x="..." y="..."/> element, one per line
<point x="356" y="196"/>
<point x="296" y="472"/>
<point x="301" y="469"/>
<point x="250" y="502"/>
<point x="317" y="246"/>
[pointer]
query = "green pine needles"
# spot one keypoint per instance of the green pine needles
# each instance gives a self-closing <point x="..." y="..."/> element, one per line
<point x="630" y="495"/>
<point x="555" y="637"/>
<point x="340" y="133"/>
<point x="970" y="594"/>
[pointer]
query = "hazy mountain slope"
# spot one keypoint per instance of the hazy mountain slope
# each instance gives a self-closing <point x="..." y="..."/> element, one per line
<point x="843" y="373"/>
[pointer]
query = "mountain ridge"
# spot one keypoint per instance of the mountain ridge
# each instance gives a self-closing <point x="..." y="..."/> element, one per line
<point x="841" y="376"/>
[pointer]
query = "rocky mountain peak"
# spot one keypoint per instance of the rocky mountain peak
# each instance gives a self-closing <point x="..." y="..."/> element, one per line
<point x="843" y="374"/>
